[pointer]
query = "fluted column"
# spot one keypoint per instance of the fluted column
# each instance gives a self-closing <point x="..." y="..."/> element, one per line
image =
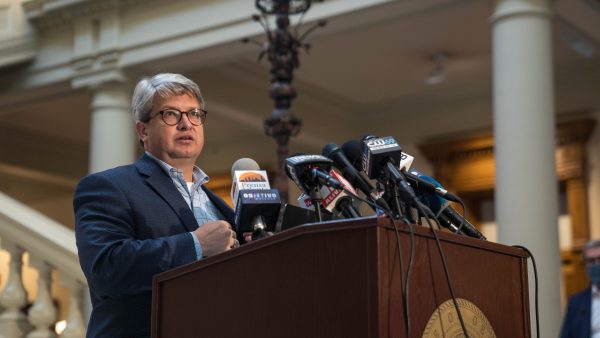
<point x="13" y="322"/>
<point x="42" y="313"/>
<point x="75" y="324"/>
<point x="526" y="193"/>
<point x="112" y="139"/>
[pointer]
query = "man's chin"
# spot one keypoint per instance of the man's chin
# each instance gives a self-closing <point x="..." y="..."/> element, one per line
<point x="182" y="156"/>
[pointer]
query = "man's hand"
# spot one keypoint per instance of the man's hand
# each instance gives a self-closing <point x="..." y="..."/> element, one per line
<point x="215" y="237"/>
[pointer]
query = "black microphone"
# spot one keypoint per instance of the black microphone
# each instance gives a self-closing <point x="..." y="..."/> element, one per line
<point x="381" y="160"/>
<point x="337" y="202"/>
<point x="445" y="214"/>
<point x="414" y="176"/>
<point x="256" y="204"/>
<point x="349" y="171"/>
<point x="353" y="151"/>
<point x="419" y="181"/>
<point x="461" y="223"/>
<point x="310" y="172"/>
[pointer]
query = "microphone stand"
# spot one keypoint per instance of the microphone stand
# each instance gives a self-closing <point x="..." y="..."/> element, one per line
<point x="346" y="208"/>
<point x="315" y="197"/>
<point x="398" y="207"/>
<point x="259" y="228"/>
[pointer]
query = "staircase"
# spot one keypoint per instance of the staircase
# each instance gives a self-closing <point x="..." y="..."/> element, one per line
<point x="51" y="250"/>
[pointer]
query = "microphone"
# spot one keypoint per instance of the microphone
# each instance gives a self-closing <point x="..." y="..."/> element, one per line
<point x="381" y="160"/>
<point x="338" y="199"/>
<point x="349" y="171"/>
<point x="420" y="181"/>
<point x="445" y="214"/>
<point x="335" y="200"/>
<point x="352" y="149"/>
<point x="310" y="172"/>
<point x="461" y="223"/>
<point x="256" y="204"/>
<point x="246" y="174"/>
<point x="353" y="152"/>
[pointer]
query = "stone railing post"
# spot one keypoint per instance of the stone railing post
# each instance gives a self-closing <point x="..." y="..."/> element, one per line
<point x="42" y="314"/>
<point x="13" y="322"/>
<point x="75" y="324"/>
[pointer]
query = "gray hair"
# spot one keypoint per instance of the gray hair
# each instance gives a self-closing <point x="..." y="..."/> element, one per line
<point x="590" y="245"/>
<point x="165" y="85"/>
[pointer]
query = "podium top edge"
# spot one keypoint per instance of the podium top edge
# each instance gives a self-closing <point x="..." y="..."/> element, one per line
<point x="376" y="223"/>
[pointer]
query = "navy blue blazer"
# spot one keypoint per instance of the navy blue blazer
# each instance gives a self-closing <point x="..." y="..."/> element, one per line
<point x="131" y="223"/>
<point x="578" y="322"/>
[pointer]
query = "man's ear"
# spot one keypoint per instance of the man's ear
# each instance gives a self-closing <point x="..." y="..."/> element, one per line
<point x="141" y="130"/>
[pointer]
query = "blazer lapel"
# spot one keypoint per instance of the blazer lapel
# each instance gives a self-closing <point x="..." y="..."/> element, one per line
<point x="164" y="187"/>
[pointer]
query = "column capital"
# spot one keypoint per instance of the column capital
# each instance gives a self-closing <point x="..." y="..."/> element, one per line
<point x="510" y="8"/>
<point x="110" y="95"/>
<point x="94" y="80"/>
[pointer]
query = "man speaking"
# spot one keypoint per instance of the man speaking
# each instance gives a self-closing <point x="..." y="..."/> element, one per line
<point x="138" y="220"/>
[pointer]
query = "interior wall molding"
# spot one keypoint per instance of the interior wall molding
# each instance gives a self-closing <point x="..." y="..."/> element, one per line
<point x="49" y="14"/>
<point x="467" y="166"/>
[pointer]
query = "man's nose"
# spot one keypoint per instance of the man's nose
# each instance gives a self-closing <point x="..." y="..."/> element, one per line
<point x="185" y="122"/>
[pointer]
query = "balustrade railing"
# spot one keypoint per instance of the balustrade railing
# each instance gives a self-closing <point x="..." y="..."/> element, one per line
<point x="51" y="248"/>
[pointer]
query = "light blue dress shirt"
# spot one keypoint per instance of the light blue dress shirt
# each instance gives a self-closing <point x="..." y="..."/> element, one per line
<point x="202" y="207"/>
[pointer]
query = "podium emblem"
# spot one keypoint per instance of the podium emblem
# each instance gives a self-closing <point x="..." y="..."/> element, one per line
<point x="444" y="321"/>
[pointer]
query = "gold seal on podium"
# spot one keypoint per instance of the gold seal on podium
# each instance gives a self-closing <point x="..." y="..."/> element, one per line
<point x="444" y="321"/>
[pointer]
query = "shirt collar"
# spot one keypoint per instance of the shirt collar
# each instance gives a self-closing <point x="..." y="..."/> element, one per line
<point x="198" y="176"/>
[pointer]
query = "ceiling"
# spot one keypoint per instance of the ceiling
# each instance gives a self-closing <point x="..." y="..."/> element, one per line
<point x="365" y="73"/>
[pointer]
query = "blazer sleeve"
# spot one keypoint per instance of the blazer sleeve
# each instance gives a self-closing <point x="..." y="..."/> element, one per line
<point x="577" y="321"/>
<point x="115" y="261"/>
<point x="567" y="322"/>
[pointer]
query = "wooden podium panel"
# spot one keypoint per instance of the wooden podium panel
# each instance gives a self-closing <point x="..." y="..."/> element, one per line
<point x="340" y="279"/>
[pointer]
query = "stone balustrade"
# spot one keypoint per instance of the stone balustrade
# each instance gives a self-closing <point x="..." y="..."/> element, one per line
<point x="52" y="253"/>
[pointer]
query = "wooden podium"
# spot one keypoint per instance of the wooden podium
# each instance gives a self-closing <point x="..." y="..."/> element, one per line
<point x="342" y="279"/>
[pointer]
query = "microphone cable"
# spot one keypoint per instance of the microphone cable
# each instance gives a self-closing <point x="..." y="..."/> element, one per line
<point x="464" y="216"/>
<point x="405" y="285"/>
<point x="422" y="209"/>
<point x="404" y="279"/>
<point x="535" y="277"/>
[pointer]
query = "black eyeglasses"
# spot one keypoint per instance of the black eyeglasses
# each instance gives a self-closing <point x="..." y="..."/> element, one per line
<point x="173" y="116"/>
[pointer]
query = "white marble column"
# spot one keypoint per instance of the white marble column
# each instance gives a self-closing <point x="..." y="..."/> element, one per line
<point x="526" y="186"/>
<point x="112" y="136"/>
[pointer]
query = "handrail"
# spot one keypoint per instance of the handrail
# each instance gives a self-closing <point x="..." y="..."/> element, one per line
<point x="40" y="236"/>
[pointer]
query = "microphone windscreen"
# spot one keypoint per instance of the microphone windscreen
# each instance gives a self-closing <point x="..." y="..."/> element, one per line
<point x="244" y="164"/>
<point x="431" y="200"/>
<point x="329" y="148"/>
<point x="428" y="179"/>
<point x="353" y="151"/>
